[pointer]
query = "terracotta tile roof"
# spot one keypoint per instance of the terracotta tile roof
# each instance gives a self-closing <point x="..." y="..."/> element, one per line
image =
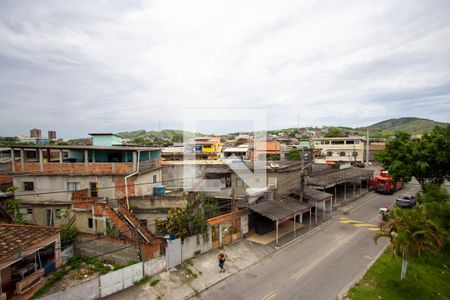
<point x="224" y="218"/>
<point x="15" y="238"/>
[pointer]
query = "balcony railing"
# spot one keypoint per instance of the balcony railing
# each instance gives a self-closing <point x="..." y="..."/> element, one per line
<point x="80" y="168"/>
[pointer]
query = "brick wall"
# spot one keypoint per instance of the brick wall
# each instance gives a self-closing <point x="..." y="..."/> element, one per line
<point x="75" y="168"/>
<point x="120" y="186"/>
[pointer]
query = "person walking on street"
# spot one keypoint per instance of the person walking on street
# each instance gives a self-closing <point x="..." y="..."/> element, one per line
<point x="222" y="257"/>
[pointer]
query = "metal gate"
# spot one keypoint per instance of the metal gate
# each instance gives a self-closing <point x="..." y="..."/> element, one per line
<point x="173" y="253"/>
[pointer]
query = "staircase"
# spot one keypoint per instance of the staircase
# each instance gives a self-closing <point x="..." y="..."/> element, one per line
<point x="131" y="218"/>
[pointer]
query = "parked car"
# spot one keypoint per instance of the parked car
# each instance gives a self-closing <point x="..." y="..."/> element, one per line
<point x="406" y="201"/>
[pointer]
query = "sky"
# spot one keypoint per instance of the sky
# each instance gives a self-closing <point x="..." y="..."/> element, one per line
<point x="96" y="66"/>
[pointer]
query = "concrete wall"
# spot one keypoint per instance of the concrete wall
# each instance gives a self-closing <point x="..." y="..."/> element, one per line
<point x="82" y="223"/>
<point x="144" y="182"/>
<point x="39" y="214"/>
<point x="105" y="245"/>
<point x="171" y="175"/>
<point x="44" y="184"/>
<point x="88" y="290"/>
<point x="192" y="244"/>
<point x="155" y="266"/>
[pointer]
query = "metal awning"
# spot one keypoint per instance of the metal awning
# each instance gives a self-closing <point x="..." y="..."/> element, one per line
<point x="280" y="210"/>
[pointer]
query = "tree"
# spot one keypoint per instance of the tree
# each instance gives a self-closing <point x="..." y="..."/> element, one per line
<point x="294" y="154"/>
<point x="334" y="132"/>
<point x="410" y="233"/>
<point x="428" y="159"/>
<point x="14" y="207"/>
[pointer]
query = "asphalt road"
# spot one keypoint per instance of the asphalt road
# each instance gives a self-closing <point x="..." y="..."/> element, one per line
<point x="320" y="265"/>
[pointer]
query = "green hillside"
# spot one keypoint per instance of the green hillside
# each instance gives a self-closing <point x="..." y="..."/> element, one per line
<point x="164" y="137"/>
<point x="410" y="125"/>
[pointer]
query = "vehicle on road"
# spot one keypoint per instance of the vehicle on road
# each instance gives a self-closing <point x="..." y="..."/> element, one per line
<point x="406" y="201"/>
<point x="384" y="184"/>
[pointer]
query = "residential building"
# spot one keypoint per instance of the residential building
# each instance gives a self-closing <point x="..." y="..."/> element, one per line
<point x="270" y="150"/>
<point x="35" y="133"/>
<point x="239" y="152"/>
<point x="94" y="216"/>
<point x="204" y="148"/>
<point x="338" y="149"/>
<point x="375" y="145"/>
<point x="107" y="170"/>
<point x="172" y="153"/>
<point x="27" y="253"/>
<point x="51" y="135"/>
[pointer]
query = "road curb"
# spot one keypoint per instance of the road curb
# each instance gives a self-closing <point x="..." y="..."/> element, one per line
<point x="299" y="238"/>
<point x="343" y="293"/>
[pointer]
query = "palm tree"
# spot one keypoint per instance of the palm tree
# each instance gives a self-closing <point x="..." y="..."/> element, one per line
<point x="410" y="232"/>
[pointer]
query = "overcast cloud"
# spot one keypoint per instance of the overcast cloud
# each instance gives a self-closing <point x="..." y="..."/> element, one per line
<point x="83" y="66"/>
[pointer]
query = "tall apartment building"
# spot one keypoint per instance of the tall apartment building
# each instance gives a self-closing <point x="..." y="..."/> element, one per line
<point x="36" y="133"/>
<point x="52" y="135"/>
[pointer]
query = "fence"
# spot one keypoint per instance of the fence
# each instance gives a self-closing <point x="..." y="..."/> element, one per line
<point x="66" y="254"/>
<point x="113" y="282"/>
<point x="88" y="290"/>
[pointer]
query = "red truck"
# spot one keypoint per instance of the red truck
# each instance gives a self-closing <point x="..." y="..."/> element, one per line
<point x="384" y="184"/>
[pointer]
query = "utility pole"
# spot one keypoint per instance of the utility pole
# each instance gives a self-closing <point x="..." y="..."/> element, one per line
<point x="367" y="148"/>
<point x="302" y="159"/>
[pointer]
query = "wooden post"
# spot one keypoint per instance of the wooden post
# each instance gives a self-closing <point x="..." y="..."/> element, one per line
<point x="345" y="191"/>
<point x="335" y="194"/>
<point x="310" y="217"/>
<point x="315" y="214"/>
<point x="301" y="218"/>
<point x="324" y="208"/>
<point x="354" y="190"/>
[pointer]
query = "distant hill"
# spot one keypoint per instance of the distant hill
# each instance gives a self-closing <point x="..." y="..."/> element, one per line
<point x="409" y="125"/>
<point x="164" y="137"/>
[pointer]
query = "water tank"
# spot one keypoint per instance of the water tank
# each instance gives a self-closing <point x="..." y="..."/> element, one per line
<point x="159" y="190"/>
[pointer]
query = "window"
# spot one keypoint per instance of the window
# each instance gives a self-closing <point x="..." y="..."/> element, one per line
<point x="90" y="223"/>
<point x="239" y="182"/>
<point x="73" y="186"/>
<point x="60" y="213"/>
<point x="93" y="187"/>
<point x="355" y="154"/>
<point x="350" y="142"/>
<point x="329" y="153"/>
<point x="337" y="142"/>
<point x="29" y="211"/>
<point x="28" y="186"/>
<point x="342" y="153"/>
<point x="155" y="179"/>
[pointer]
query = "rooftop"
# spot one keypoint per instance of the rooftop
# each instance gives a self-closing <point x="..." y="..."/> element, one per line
<point x="83" y="147"/>
<point x="16" y="239"/>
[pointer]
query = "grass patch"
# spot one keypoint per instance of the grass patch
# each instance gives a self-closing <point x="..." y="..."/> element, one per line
<point x="144" y="280"/>
<point x="154" y="282"/>
<point x="428" y="277"/>
<point x="55" y="277"/>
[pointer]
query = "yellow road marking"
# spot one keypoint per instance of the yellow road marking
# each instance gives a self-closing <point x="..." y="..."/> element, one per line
<point x="304" y="270"/>
<point x="269" y="296"/>
<point x="350" y="222"/>
<point x="364" y="225"/>
<point x="374" y="229"/>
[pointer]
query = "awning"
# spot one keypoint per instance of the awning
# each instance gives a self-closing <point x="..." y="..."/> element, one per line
<point x="226" y="217"/>
<point x="316" y="195"/>
<point x="280" y="210"/>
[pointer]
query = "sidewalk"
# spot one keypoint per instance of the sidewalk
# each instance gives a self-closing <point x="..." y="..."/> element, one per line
<point x="197" y="274"/>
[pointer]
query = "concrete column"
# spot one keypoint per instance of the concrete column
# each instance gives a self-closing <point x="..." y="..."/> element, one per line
<point x="135" y="162"/>
<point x="345" y="191"/>
<point x="310" y="218"/>
<point x="324" y="208"/>
<point x="301" y="218"/>
<point x="360" y="186"/>
<point x="277" y="233"/>
<point x="93" y="156"/>
<point x="331" y="206"/>
<point x="60" y="156"/>
<point x="13" y="160"/>
<point x="41" y="160"/>
<point x="22" y="159"/>
<point x="315" y="203"/>
<point x="295" y="223"/>
<point x="354" y="190"/>
<point x="335" y="194"/>
<point x="86" y="161"/>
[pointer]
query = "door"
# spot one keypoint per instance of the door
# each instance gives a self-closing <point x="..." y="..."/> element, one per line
<point x="173" y="253"/>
